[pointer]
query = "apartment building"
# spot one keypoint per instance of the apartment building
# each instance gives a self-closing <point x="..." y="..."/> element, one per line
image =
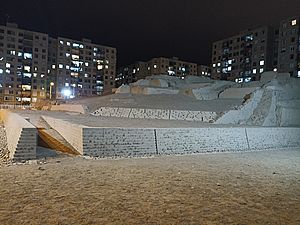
<point x="34" y="66"/>
<point x="80" y="68"/>
<point x="171" y="66"/>
<point x="23" y="65"/>
<point x="203" y="71"/>
<point x="131" y="73"/>
<point x="245" y="56"/>
<point x="289" y="46"/>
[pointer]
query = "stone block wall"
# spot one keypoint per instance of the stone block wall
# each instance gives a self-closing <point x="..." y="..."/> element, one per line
<point x="200" y="140"/>
<point x="21" y="136"/>
<point x="273" y="137"/>
<point x="161" y="114"/>
<point x="107" y="142"/>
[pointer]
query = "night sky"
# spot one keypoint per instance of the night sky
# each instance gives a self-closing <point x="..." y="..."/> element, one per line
<point x="141" y="29"/>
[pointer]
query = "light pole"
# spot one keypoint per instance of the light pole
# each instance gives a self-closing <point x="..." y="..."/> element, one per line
<point x="51" y="85"/>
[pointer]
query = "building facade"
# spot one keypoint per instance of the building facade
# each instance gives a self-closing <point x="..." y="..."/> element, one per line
<point x="23" y="65"/>
<point x="245" y="56"/>
<point x="203" y="70"/>
<point x="289" y="46"/>
<point x="171" y="67"/>
<point x="131" y="73"/>
<point x="34" y="66"/>
<point x="80" y="68"/>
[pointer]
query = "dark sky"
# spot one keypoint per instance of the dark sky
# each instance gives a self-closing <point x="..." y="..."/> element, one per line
<point x="141" y="29"/>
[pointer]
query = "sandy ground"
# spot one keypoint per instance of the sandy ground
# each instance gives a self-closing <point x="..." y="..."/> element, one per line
<point x="240" y="188"/>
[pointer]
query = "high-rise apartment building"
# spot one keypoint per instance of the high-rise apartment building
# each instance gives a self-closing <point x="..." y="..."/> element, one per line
<point x="171" y="67"/>
<point x="289" y="46"/>
<point x="34" y="66"/>
<point x="245" y="56"/>
<point x="23" y="65"/>
<point x="131" y="73"/>
<point x="203" y="70"/>
<point x="80" y="68"/>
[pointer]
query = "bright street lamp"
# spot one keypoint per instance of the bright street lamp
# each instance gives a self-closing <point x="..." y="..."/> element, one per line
<point x="51" y="85"/>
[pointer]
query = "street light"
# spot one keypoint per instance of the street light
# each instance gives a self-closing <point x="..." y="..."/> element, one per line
<point x="51" y="85"/>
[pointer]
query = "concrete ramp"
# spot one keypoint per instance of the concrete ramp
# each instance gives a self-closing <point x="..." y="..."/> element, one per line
<point x="50" y="138"/>
<point x="55" y="141"/>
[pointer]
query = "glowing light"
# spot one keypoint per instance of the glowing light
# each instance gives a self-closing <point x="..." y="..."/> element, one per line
<point x="66" y="92"/>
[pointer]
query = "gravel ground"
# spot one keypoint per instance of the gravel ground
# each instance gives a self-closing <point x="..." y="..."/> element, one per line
<point x="233" y="188"/>
<point x="4" y="153"/>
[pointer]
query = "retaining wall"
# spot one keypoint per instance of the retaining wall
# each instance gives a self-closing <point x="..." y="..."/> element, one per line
<point x="202" y="116"/>
<point x="106" y="142"/>
<point x="69" y="108"/>
<point x="21" y="136"/>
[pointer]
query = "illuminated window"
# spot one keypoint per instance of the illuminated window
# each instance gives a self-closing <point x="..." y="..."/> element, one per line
<point x="86" y="64"/>
<point x="20" y="54"/>
<point x="67" y="67"/>
<point x="42" y="75"/>
<point x="67" y="85"/>
<point x="262" y="62"/>
<point x="13" y="52"/>
<point x="27" y="75"/>
<point x="68" y="54"/>
<point x="68" y="43"/>
<point x="219" y="64"/>
<point x="34" y="74"/>
<point x="254" y="71"/>
<point x="294" y="22"/>
<point x="261" y="70"/>
<point x="60" y="66"/>
<point x="7" y="65"/>
<point x="100" y="67"/>
<point x="106" y="66"/>
<point x="299" y="73"/>
<point x="75" y="57"/>
<point x="203" y="73"/>
<point x="1" y="58"/>
<point x="155" y="66"/>
<point x="239" y="80"/>
<point x="61" y="42"/>
<point x="53" y="66"/>
<point x="1" y="71"/>
<point x="27" y="56"/>
<point x="248" y="79"/>
<point x="27" y="69"/>
<point x="275" y="69"/>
